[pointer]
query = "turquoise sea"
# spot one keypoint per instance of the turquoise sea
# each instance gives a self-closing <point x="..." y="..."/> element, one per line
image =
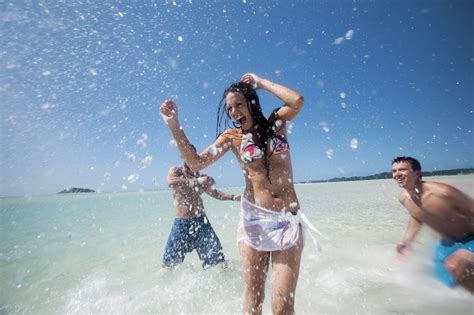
<point x="101" y="254"/>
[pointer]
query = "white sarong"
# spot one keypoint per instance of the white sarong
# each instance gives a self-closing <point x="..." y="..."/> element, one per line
<point x="267" y="231"/>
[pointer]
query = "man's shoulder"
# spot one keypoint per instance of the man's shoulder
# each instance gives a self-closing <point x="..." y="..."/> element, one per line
<point x="439" y="188"/>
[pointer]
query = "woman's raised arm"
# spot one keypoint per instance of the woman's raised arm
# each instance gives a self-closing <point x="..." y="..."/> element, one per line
<point x="195" y="161"/>
<point x="293" y="101"/>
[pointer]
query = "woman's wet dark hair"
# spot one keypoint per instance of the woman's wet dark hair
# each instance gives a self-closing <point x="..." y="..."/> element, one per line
<point x="264" y="129"/>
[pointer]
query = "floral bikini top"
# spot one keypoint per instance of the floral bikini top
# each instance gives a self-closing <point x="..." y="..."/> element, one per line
<point x="250" y="151"/>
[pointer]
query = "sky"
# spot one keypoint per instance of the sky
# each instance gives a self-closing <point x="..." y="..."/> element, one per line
<point x="81" y="83"/>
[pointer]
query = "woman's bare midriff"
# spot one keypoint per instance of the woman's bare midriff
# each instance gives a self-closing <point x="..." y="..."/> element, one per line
<point x="278" y="193"/>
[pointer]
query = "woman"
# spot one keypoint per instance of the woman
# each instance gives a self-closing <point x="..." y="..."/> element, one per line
<point x="270" y="226"/>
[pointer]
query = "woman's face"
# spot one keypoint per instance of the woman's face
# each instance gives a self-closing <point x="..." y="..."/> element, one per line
<point x="238" y="110"/>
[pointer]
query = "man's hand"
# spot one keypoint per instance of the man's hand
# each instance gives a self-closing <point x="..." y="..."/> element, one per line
<point x="403" y="249"/>
<point x="237" y="197"/>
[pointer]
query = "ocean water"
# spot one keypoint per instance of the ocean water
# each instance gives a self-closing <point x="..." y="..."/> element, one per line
<point x="101" y="253"/>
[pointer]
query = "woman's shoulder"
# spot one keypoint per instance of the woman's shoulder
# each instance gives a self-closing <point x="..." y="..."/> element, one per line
<point x="231" y="132"/>
<point x="274" y="115"/>
<point x="275" y="120"/>
<point x="229" y="136"/>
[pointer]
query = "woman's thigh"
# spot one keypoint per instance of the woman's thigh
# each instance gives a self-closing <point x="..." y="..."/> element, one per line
<point x="254" y="265"/>
<point x="286" y="267"/>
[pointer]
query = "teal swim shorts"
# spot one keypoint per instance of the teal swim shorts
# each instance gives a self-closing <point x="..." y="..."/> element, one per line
<point x="443" y="251"/>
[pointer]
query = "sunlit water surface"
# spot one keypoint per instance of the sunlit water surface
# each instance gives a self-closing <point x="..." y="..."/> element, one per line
<point x="100" y="253"/>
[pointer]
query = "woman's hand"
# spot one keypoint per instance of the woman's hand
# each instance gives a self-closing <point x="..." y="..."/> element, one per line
<point x="254" y="80"/>
<point x="169" y="111"/>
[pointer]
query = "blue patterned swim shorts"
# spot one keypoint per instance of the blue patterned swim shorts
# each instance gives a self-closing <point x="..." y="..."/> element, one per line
<point x="193" y="234"/>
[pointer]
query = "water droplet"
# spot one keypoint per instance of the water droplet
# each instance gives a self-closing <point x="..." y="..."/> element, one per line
<point x="354" y="143"/>
<point x="349" y="34"/>
<point x="329" y="153"/>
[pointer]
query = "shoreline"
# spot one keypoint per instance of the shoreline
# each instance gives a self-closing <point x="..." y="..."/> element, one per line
<point x="328" y="181"/>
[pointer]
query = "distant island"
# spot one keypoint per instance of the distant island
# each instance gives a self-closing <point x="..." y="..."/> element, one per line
<point x="75" y="190"/>
<point x="385" y="175"/>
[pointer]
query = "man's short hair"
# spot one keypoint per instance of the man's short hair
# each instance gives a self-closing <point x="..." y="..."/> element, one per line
<point x="415" y="165"/>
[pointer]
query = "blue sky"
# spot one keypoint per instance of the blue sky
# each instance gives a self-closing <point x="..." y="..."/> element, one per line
<point x="81" y="83"/>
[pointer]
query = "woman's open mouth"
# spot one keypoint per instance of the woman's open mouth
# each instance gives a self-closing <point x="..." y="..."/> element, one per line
<point x="242" y="120"/>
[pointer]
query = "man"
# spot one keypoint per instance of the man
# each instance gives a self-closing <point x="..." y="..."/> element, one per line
<point x="445" y="209"/>
<point x="191" y="228"/>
